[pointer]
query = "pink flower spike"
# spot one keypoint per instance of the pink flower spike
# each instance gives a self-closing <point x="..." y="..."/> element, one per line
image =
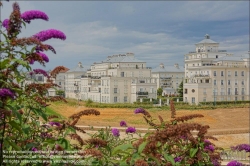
<point x="44" y="56"/>
<point x="50" y="33"/>
<point x="34" y="14"/>
<point x="5" y="23"/>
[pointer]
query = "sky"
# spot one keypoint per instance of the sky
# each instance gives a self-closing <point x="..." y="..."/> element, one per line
<point x="155" y="31"/>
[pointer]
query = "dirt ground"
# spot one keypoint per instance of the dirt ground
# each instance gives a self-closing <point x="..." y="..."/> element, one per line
<point x="231" y="119"/>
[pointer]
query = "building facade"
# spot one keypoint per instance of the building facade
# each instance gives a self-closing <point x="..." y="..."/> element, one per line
<point x="119" y="79"/>
<point x="215" y="75"/>
<point x="73" y="81"/>
<point x="168" y="77"/>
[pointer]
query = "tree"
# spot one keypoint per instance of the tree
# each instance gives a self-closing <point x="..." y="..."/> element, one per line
<point x="180" y="89"/>
<point x="60" y="92"/>
<point x="159" y="91"/>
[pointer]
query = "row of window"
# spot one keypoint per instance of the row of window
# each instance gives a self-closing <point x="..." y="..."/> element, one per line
<point x="229" y="82"/>
<point x="125" y="99"/>
<point x="236" y="98"/>
<point x="229" y="73"/>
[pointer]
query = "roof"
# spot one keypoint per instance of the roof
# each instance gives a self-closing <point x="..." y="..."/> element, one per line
<point x="207" y="40"/>
<point x="168" y="69"/>
<point x="122" y="58"/>
<point x="229" y="58"/>
<point x="78" y="68"/>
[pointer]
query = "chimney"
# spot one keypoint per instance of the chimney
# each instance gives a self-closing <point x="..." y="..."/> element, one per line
<point x="162" y="65"/>
<point x="80" y="65"/>
<point x="176" y="65"/>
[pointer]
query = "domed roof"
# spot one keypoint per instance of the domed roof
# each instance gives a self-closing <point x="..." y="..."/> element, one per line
<point x="207" y="40"/>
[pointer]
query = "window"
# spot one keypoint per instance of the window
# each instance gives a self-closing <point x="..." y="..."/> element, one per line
<point x="242" y="82"/>
<point x="242" y="98"/>
<point x="125" y="98"/>
<point x="214" y="73"/>
<point x="122" y="74"/>
<point x="193" y="99"/>
<point x="242" y="73"/>
<point x="229" y="73"/>
<point x="59" y="83"/>
<point x="214" y="82"/>
<point x="236" y="98"/>
<point x="115" y="90"/>
<point x="206" y="80"/>
<point x="236" y="82"/>
<point x="228" y="82"/>
<point x="186" y="91"/>
<point x="229" y="91"/>
<point x="216" y="56"/>
<point x="236" y="91"/>
<point x="222" y="73"/>
<point x="236" y="73"/>
<point x="115" y="99"/>
<point x="204" y="91"/>
<point x="221" y="82"/>
<point x="242" y="91"/>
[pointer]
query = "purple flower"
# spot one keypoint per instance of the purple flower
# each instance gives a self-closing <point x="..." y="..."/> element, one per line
<point x="6" y="23"/>
<point x="241" y="147"/>
<point x="55" y="123"/>
<point x="31" y="61"/>
<point x="34" y="149"/>
<point x="139" y="110"/>
<point x="123" y="123"/>
<point x="115" y="132"/>
<point x="40" y="71"/>
<point x="34" y="14"/>
<point x="4" y="93"/>
<point x="207" y="141"/>
<point x="44" y="56"/>
<point x="15" y="6"/>
<point x="45" y="135"/>
<point x="177" y="159"/>
<point x="216" y="163"/>
<point x="50" y="33"/>
<point x="130" y="130"/>
<point x="234" y="163"/>
<point x="210" y="147"/>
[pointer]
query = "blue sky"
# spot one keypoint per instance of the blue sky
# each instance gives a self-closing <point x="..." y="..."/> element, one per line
<point x="156" y="32"/>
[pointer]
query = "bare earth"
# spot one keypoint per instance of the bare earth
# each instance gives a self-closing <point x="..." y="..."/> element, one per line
<point x="231" y="119"/>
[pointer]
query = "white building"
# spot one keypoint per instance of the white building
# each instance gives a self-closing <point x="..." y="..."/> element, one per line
<point x="73" y="81"/>
<point x="119" y="79"/>
<point x="168" y="77"/>
<point x="215" y="75"/>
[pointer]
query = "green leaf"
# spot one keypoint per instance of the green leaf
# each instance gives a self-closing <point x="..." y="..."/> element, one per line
<point x="169" y="158"/>
<point x="12" y="144"/>
<point x="142" y="147"/>
<point x="21" y="62"/>
<point x="16" y="126"/>
<point x="193" y="151"/>
<point x="123" y="147"/>
<point x="4" y="63"/>
<point x="123" y="163"/>
<point x="64" y="143"/>
<point x="154" y="159"/>
<point x="41" y="113"/>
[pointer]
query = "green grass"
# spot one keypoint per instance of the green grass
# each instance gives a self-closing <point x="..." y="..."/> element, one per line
<point x="50" y="111"/>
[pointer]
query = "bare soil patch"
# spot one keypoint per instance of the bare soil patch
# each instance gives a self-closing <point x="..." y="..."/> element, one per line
<point x="230" y="119"/>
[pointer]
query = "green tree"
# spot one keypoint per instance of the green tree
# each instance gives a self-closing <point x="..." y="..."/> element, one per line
<point x="159" y="91"/>
<point x="180" y="89"/>
<point x="60" y="92"/>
